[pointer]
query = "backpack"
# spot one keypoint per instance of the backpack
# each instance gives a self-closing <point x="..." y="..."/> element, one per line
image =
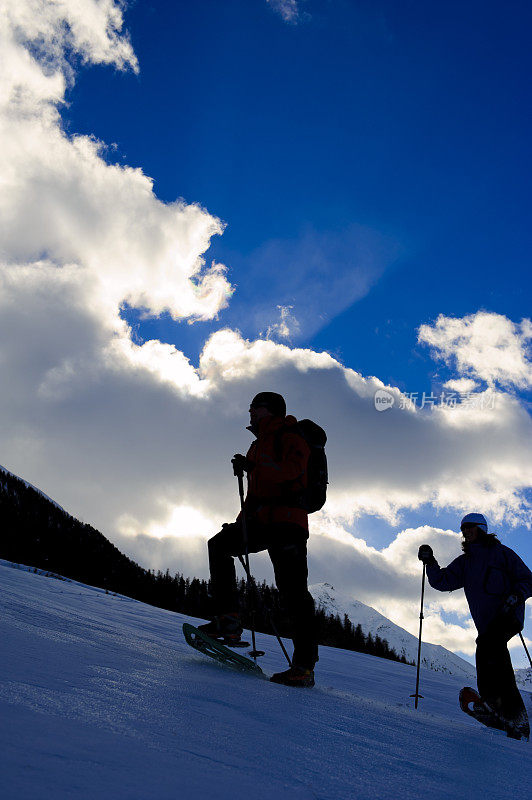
<point x="313" y="497"/>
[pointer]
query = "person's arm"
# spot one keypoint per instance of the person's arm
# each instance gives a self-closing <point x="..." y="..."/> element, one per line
<point x="444" y="579"/>
<point x="521" y="576"/>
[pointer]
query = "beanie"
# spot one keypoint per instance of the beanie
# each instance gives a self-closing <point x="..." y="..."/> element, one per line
<point x="476" y="519"/>
<point x="273" y="402"/>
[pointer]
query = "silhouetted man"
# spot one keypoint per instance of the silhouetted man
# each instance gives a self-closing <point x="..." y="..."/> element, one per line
<point x="276" y="466"/>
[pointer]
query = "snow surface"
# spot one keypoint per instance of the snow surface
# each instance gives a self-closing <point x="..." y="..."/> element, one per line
<point x="100" y="697"/>
<point x="371" y="621"/>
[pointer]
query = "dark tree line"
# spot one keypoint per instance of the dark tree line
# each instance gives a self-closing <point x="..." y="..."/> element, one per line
<point x="37" y="533"/>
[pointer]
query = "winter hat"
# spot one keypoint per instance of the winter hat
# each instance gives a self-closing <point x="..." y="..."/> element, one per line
<point x="273" y="402"/>
<point x="475" y="519"/>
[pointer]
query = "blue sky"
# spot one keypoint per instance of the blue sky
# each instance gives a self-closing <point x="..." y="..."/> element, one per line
<point x="370" y="164"/>
<point x="405" y="122"/>
<point x="407" y="119"/>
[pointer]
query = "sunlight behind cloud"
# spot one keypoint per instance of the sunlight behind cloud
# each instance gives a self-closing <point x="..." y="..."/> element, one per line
<point x="181" y="522"/>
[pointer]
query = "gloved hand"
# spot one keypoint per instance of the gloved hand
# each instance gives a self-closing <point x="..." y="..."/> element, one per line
<point x="511" y="602"/>
<point x="425" y="554"/>
<point x="240" y="464"/>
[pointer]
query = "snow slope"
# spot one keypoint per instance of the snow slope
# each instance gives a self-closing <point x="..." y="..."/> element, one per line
<point x="100" y="697"/>
<point x="433" y="656"/>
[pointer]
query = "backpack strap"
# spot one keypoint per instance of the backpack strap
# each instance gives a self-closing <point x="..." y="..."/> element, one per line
<point x="293" y="499"/>
<point x="278" y="440"/>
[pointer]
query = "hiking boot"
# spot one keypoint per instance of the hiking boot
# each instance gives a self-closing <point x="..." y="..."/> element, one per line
<point x="226" y="626"/>
<point x="295" y="676"/>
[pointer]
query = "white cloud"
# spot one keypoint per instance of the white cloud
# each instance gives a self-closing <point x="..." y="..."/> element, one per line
<point x="91" y="28"/>
<point x="461" y="385"/>
<point x="101" y="223"/>
<point x="288" y="9"/>
<point x="286" y="328"/>
<point x="38" y="36"/>
<point x="483" y="345"/>
<point x="136" y="439"/>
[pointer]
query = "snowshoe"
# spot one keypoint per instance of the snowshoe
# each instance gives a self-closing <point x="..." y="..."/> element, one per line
<point x="473" y="704"/>
<point x="295" y="676"/>
<point x="226" y="628"/>
<point x="215" y="649"/>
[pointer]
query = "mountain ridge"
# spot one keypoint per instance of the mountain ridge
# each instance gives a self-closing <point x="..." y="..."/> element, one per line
<point x="433" y="656"/>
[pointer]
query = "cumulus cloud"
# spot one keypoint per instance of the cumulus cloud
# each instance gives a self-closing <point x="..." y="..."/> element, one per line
<point x="90" y="27"/>
<point x="137" y="440"/>
<point x="483" y="345"/>
<point x="61" y="204"/>
<point x="79" y="237"/>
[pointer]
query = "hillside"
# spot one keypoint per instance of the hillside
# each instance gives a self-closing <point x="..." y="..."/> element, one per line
<point x="101" y="697"/>
<point x="38" y="532"/>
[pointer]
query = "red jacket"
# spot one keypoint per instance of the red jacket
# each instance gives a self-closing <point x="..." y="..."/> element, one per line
<point x="274" y="479"/>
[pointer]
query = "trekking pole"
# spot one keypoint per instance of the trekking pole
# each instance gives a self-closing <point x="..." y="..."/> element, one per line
<point x="251" y="579"/>
<point x="240" y="477"/>
<point x="526" y="649"/>
<point x="417" y="695"/>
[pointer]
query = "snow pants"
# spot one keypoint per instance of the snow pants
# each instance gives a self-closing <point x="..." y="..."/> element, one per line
<point x="495" y="674"/>
<point x="286" y="544"/>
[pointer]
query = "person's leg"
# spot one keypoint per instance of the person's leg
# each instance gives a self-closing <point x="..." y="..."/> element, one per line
<point x="289" y="559"/>
<point x="223" y="548"/>
<point x="512" y="702"/>
<point x="495" y="674"/>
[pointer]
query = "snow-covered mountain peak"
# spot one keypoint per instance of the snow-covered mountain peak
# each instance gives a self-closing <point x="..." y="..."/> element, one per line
<point x="433" y="656"/>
